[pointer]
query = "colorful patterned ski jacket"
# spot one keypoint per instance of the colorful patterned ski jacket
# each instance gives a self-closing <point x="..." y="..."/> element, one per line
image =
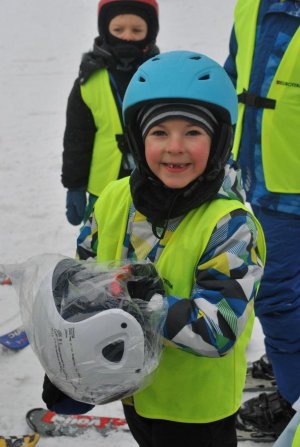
<point x="230" y="259"/>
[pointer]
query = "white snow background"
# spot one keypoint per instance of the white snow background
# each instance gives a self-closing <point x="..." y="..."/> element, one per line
<point x="41" y="43"/>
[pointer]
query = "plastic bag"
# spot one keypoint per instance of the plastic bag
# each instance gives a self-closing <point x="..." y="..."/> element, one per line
<point x="95" y="343"/>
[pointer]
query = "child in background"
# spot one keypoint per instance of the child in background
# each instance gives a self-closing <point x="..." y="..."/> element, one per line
<point x="183" y="209"/>
<point x="94" y="148"/>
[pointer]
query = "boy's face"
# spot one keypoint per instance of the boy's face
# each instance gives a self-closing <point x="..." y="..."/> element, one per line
<point x="177" y="152"/>
<point x="128" y="27"/>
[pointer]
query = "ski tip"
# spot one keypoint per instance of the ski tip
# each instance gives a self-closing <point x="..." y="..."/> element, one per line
<point x="15" y="339"/>
<point x="29" y="418"/>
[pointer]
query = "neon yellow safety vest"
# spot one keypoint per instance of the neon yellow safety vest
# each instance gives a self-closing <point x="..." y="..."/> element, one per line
<point x="106" y="158"/>
<point x="296" y="440"/>
<point x="280" y="126"/>
<point x="186" y="387"/>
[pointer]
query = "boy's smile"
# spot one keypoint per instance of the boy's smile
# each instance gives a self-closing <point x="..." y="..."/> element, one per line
<point x="177" y="151"/>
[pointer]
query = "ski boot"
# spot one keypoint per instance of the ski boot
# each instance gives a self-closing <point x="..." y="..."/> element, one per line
<point x="260" y="376"/>
<point x="266" y="413"/>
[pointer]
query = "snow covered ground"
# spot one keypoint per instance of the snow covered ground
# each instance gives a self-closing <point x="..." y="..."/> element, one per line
<point x="40" y="48"/>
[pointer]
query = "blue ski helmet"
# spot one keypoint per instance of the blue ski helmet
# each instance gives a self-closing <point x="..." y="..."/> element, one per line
<point x="187" y="77"/>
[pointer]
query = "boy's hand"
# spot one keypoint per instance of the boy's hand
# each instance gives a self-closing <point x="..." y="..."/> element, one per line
<point x="145" y="283"/>
<point x="59" y="402"/>
<point x="51" y="394"/>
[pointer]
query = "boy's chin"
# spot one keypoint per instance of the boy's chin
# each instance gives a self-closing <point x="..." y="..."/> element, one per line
<point x="176" y="184"/>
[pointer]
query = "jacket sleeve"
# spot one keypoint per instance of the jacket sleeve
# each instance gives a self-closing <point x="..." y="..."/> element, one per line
<point x="226" y="282"/>
<point x="87" y="240"/>
<point x="78" y="141"/>
<point x="230" y="64"/>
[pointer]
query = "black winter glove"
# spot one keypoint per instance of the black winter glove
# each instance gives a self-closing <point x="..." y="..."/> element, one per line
<point x="51" y="395"/>
<point x="58" y="402"/>
<point x="145" y="283"/>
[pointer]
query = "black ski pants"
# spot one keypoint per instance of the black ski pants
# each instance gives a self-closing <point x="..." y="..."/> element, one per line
<point x="161" y="433"/>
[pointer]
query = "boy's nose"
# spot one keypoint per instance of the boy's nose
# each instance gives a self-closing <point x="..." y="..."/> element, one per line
<point x="128" y="35"/>
<point x="175" y="145"/>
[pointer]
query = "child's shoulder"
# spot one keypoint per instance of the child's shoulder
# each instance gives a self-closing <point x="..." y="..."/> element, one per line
<point x="115" y="189"/>
<point x="89" y="64"/>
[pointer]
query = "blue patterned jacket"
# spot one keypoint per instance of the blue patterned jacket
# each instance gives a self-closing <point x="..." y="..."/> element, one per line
<point x="276" y="24"/>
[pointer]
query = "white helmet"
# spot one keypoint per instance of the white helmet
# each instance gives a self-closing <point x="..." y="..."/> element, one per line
<point x="93" y="346"/>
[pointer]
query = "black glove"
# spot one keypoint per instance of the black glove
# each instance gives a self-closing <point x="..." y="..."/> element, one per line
<point x="145" y="282"/>
<point x="59" y="402"/>
<point x="51" y="395"/>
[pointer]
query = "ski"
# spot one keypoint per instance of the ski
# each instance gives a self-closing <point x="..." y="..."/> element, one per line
<point x="15" y="339"/>
<point x="19" y="441"/>
<point x="48" y="423"/>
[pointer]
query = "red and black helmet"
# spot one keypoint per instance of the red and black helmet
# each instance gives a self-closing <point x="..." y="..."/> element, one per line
<point x="147" y="9"/>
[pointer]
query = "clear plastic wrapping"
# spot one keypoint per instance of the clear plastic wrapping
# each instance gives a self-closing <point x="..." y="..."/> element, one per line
<point x="95" y="342"/>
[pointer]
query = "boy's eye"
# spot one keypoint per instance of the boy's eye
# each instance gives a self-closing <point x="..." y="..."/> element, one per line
<point x="121" y="30"/>
<point x="157" y="133"/>
<point x="194" y="132"/>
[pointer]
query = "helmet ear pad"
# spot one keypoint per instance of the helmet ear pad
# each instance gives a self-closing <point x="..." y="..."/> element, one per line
<point x="220" y="151"/>
<point x="137" y="147"/>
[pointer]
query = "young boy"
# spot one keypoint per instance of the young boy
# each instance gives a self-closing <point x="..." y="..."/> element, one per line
<point x="94" y="150"/>
<point x="183" y="209"/>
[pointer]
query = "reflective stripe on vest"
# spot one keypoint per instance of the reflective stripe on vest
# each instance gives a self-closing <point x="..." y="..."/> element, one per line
<point x="186" y="387"/>
<point x="280" y="134"/>
<point x="106" y="158"/>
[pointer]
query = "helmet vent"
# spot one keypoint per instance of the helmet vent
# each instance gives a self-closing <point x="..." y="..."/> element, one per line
<point x="141" y="79"/>
<point x="195" y="58"/>
<point x="155" y="59"/>
<point x="114" y="351"/>
<point x="204" y="77"/>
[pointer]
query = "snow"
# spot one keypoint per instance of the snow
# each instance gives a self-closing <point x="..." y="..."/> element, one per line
<point x="40" y="48"/>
